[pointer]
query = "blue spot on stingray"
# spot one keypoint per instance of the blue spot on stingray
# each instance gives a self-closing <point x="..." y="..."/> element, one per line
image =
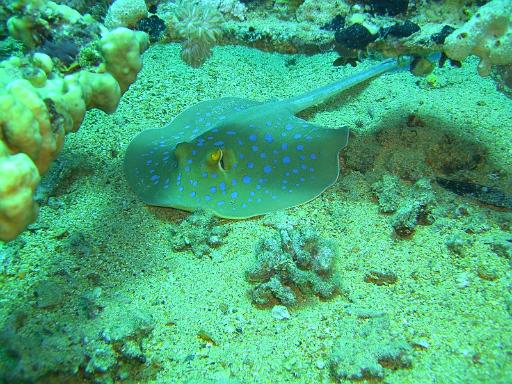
<point x="286" y="160"/>
<point x="246" y="179"/>
<point x="297" y="136"/>
<point x="180" y="189"/>
<point x="300" y="147"/>
<point x="187" y="168"/>
<point x="234" y="194"/>
<point x="222" y="186"/>
<point x="311" y="169"/>
<point x="220" y="203"/>
<point x="252" y="137"/>
<point x="205" y="174"/>
<point x="193" y="194"/>
<point x="303" y="166"/>
<point x="200" y="142"/>
<point x="268" y="123"/>
<point x="295" y="170"/>
<point x="207" y="197"/>
<point x="268" y="138"/>
<point x="155" y="177"/>
<point x="302" y="179"/>
<point x="219" y="143"/>
<point x="244" y="205"/>
<point x="149" y="162"/>
<point x="289" y="127"/>
<point x="241" y="155"/>
<point x="312" y="156"/>
<point x="194" y="152"/>
<point x="213" y="189"/>
<point x="189" y="161"/>
<point x="284" y="146"/>
<point x="230" y="133"/>
<point x="240" y="142"/>
<point x="258" y="187"/>
<point x="251" y="193"/>
<point x="250" y="165"/>
<point x="214" y="175"/>
<point x="255" y="148"/>
<point x="267" y="169"/>
<point x="302" y="157"/>
<point x="263" y="155"/>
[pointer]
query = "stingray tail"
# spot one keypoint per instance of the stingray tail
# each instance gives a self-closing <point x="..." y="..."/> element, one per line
<point x="322" y="94"/>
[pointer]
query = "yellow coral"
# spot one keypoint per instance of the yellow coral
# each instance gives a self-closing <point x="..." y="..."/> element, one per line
<point x="488" y="35"/>
<point x="37" y="111"/>
<point x="17" y="206"/>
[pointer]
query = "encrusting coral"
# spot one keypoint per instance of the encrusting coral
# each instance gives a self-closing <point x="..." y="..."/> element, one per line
<point x="200" y="233"/>
<point x="125" y="13"/>
<point x="293" y="260"/>
<point x="38" y="106"/>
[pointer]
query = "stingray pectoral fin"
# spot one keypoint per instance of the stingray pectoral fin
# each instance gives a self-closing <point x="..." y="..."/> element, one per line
<point x="149" y="162"/>
<point x="295" y="166"/>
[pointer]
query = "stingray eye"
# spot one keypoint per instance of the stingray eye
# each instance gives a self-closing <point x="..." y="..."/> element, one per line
<point x="216" y="156"/>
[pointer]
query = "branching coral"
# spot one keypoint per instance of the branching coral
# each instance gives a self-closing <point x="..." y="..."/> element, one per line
<point x="199" y="27"/>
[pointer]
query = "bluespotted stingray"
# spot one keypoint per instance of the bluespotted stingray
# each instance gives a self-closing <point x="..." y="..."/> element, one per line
<point x="240" y="158"/>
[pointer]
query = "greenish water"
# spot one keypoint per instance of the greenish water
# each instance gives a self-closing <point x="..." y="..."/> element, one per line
<point x="103" y="288"/>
